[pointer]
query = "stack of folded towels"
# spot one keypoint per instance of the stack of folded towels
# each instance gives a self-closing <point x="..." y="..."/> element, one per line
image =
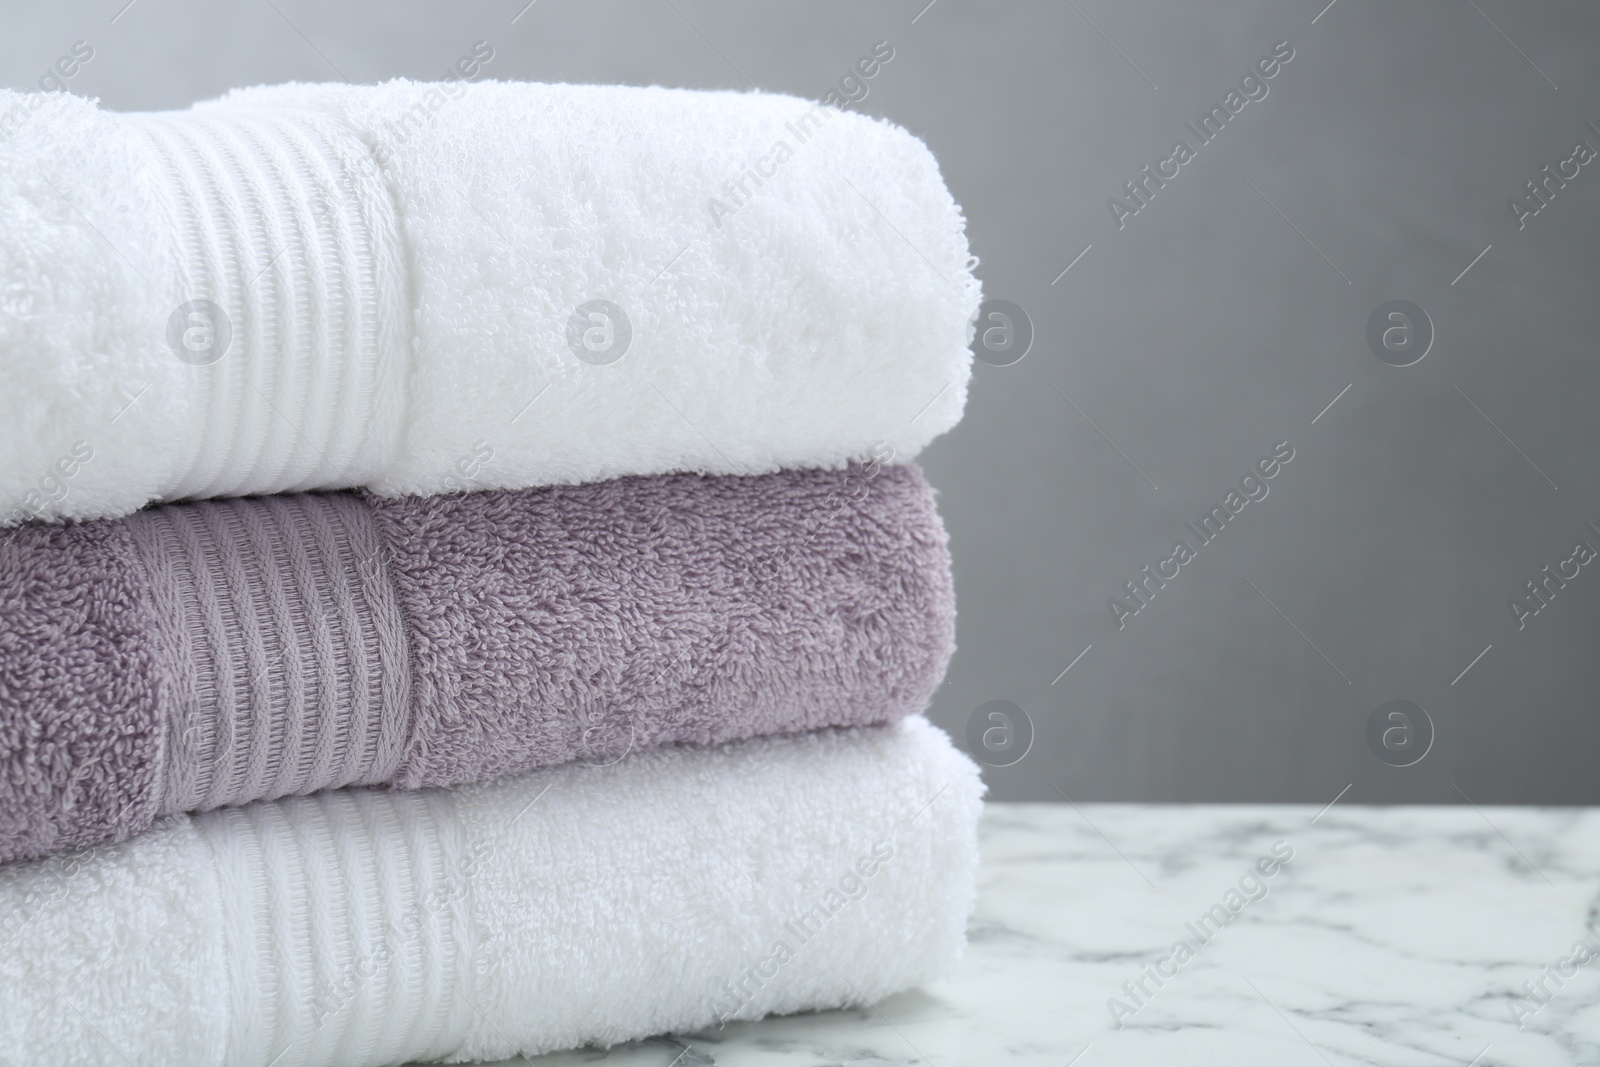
<point x="465" y="591"/>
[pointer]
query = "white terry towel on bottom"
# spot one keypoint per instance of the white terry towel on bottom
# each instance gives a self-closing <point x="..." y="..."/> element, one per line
<point x="425" y="288"/>
<point x="579" y="905"/>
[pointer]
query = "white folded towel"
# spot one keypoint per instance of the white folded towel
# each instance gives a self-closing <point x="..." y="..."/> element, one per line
<point x="320" y="286"/>
<point x="577" y="905"/>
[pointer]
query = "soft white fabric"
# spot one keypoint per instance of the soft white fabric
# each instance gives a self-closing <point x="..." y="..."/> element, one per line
<point x="571" y="906"/>
<point x="398" y="266"/>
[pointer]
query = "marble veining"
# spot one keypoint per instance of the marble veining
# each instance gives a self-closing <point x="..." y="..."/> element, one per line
<point x="1400" y="937"/>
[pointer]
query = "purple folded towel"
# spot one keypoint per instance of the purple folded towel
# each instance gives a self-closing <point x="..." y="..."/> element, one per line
<point x="204" y="654"/>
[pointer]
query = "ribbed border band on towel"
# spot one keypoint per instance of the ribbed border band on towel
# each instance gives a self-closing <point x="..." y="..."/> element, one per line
<point x="289" y="670"/>
<point x="287" y="227"/>
<point x="348" y="933"/>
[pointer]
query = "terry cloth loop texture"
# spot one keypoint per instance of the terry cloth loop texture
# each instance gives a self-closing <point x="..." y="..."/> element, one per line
<point x="288" y="231"/>
<point x="81" y="662"/>
<point x="578" y="622"/>
<point x="288" y="660"/>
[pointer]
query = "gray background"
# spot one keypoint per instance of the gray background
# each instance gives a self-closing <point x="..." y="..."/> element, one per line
<point x="1195" y="338"/>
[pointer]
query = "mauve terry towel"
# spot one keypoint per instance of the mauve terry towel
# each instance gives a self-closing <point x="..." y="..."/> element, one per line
<point x="197" y="655"/>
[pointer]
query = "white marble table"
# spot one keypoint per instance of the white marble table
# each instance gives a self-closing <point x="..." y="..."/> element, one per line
<point x="1394" y="936"/>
